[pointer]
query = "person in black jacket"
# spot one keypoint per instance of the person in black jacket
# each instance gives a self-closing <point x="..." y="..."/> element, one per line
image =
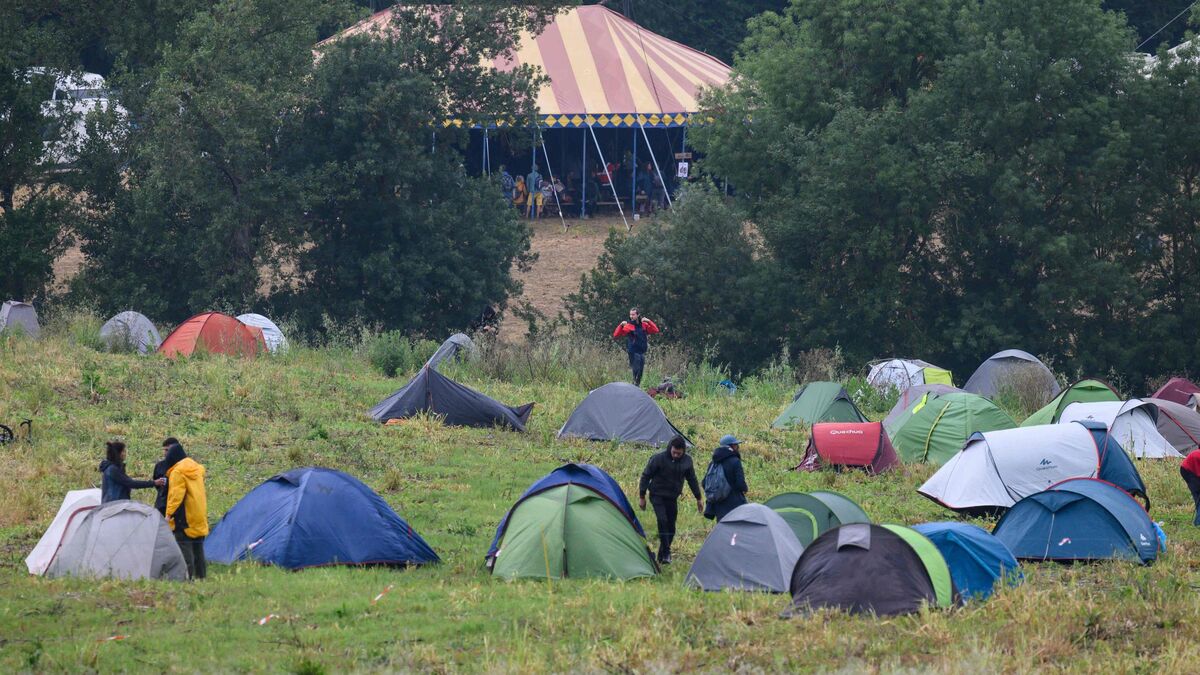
<point x="116" y="483"/>
<point x="663" y="478"/>
<point x="160" y="471"/>
<point x="728" y="460"/>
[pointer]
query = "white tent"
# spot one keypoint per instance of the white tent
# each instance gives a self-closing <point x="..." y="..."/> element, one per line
<point x="1133" y="424"/>
<point x="900" y="374"/>
<point x="130" y="330"/>
<point x="123" y="540"/>
<point x="66" y="521"/>
<point x="1177" y="423"/>
<point x="271" y="333"/>
<point x="16" y="315"/>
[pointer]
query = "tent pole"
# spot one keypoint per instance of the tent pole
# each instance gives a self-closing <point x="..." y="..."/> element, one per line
<point x="546" y="154"/>
<point x="633" y="171"/>
<point x="583" y="179"/>
<point x="612" y="187"/>
<point x="487" y="169"/>
<point x="666" y="192"/>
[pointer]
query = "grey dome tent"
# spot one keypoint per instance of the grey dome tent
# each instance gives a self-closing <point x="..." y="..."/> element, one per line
<point x="130" y="330"/>
<point x="1134" y="424"/>
<point x="455" y="347"/>
<point x="1177" y="423"/>
<point x="620" y="411"/>
<point x="70" y="514"/>
<point x="1007" y="367"/>
<point x="271" y="334"/>
<point x="19" y="316"/>
<point x="751" y="549"/>
<point x="122" y="540"/>
<point x="456" y="404"/>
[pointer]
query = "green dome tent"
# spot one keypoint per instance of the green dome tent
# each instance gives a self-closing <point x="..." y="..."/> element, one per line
<point x="1083" y="391"/>
<point x="937" y="426"/>
<point x="819" y="402"/>
<point x="810" y="514"/>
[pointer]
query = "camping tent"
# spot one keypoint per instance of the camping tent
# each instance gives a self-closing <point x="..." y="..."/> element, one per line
<point x="997" y="468"/>
<point x="313" y="516"/>
<point x="1010" y="368"/>
<point x="819" y="402"/>
<point x="809" y="514"/>
<point x="976" y="559"/>
<point x="851" y="444"/>
<point x="900" y="374"/>
<point x="1178" y="390"/>
<point x="124" y="540"/>
<point x="750" y="549"/>
<point x="66" y="522"/>
<point x="937" y="426"/>
<point x="619" y="411"/>
<point x="211" y="332"/>
<point x="909" y="397"/>
<point x="272" y="336"/>
<point x="1177" y="423"/>
<point x="16" y="315"/>
<point x="1133" y="424"/>
<point x="455" y="347"/>
<point x="861" y="568"/>
<point x="1079" y="519"/>
<point x="1083" y="391"/>
<point x="457" y="405"/>
<point x="575" y="522"/>
<point x="130" y="331"/>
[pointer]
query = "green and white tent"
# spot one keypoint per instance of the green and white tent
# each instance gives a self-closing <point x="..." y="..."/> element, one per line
<point x="1083" y="391"/>
<point x="937" y="426"/>
<point x="819" y="402"/>
<point x="809" y="514"/>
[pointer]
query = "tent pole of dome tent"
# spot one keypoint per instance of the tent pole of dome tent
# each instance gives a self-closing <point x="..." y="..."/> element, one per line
<point x="633" y="177"/>
<point x="608" y="175"/>
<point x="583" y="178"/>
<point x="666" y="192"/>
<point x="546" y="155"/>
<point x="487" y="159"/>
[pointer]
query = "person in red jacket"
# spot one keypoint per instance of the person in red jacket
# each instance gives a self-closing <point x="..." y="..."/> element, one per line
<point x="1190" y="470"/>
<point x="635" y="331"/>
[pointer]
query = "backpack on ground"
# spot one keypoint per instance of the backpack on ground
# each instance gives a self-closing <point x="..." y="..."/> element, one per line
<point x="716" y="485"/>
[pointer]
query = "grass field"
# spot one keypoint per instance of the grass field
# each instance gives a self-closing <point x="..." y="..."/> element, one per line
<point x="249" y="420"/>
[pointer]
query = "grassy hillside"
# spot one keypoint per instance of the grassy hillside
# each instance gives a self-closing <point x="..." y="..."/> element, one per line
<point x="249" y="420"/>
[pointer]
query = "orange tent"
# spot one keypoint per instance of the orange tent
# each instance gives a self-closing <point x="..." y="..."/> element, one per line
<point x="212" y="332"/>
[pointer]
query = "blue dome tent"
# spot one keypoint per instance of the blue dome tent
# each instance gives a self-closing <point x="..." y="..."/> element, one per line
<point x="977" y="560"/>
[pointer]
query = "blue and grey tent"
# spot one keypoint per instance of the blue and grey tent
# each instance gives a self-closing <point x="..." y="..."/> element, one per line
<point x="1079" y="519"/>
<point x="977" y="560"/>
<point x="311" y="517"/>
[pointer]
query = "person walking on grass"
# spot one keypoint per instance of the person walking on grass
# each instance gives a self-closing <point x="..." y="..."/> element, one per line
<point x="1190" y="471"/>
<point x="663" y="478"/>
<point x="725" y="482"/>
<point x="635" y="331"/>
<point x="533" y="183"/>
<point x="187" y="508"/>
<point x="116" y="484"/>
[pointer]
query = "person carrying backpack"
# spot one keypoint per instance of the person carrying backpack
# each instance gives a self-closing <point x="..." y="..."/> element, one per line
<point x="724" y="483"/>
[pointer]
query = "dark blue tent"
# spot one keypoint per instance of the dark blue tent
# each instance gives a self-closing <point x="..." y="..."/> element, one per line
<point x="1079" y="519"/>
<point x="1115" y="465"/>
<point x="579" y="474"/>
<point x="457" y="404"/>
<point x="313" y="516"/>
<point x="976" y="558"/>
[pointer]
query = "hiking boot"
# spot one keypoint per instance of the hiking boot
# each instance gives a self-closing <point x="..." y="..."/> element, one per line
<point x="664" y="559"/>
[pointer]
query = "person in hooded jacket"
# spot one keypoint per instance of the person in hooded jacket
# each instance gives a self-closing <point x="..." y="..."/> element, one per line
<point x="116" y="483"/>
<point x="728" y="459"/>
<point x="635" y="331"/>
<point x="187" y="508"/>
<point x="160" y="471"/>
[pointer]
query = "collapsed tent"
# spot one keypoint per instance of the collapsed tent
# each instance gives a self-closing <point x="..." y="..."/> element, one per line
<point x="130" y="331"/>
<point x="900" y="374"/>
<point x="66" y="522"/>
<point x="273" y="338"/>
<point x="1079" y="519"/>
<point x="620" y="411"/>
<point x="853" y="444"/>
<point x="1011" y="368"/>
<point x="977" y="560"/>
<point x="909" y="397"/>
<point x="17" y="316"/>
<point x="997" y="468"/>
<point x="750" y="549"/>
<point x="456" y="404"/>
<point x="863" y="568"/>
<point x="1178" y="424"/>
<point x="819" y="402"/>
<point x="576" y="522"/>
<point x="455" y="347"/>
<point x="213" y="333"/>
<point x="937" y="426"/>
<point x="1178" y="390"/>
<point x="313" y="516"/>
<point x="812" y="513"/>
<point x="1133" y="424"/>
<point x="122" y="540"/>
<point x="1083" y="391"/>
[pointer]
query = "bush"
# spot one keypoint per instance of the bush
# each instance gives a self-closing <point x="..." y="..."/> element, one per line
<point x="393" y="353"/>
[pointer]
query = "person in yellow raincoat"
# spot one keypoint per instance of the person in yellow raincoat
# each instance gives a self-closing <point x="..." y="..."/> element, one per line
<point x="187" y="508"/>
